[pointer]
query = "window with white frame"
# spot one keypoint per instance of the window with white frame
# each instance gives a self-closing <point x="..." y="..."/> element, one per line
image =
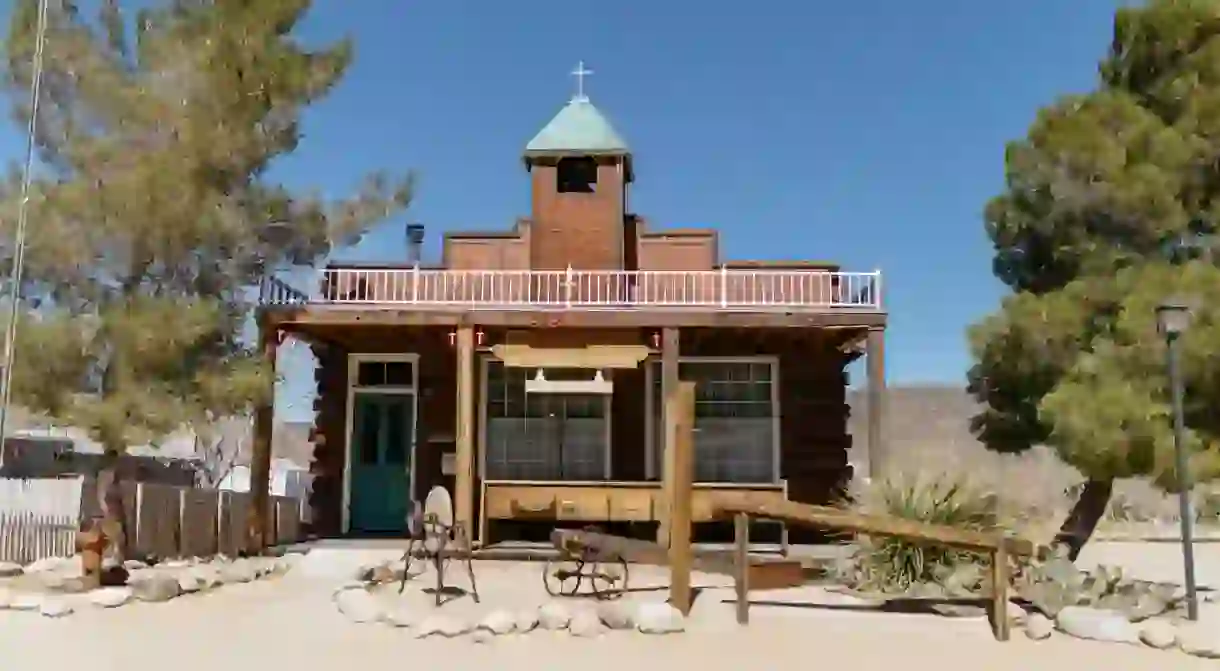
<point x="735" y="410"/>
<point x="543" y="436"/>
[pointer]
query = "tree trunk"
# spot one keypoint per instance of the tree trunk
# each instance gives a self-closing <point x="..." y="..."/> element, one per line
<point x="1082" y="521"/>
<point x="110" y="499"/>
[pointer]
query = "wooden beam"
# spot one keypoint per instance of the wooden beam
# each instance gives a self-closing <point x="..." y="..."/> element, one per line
<point x="741" y="560"/>
<point x="682" y="481"/>
<point x="880" y="525"/>
<point x="464" y="431"/>
<point x="877" y="455"/>
<point x="347" y="315"/>
<point x="669" y="391"/>
<point x="257" y="533"/>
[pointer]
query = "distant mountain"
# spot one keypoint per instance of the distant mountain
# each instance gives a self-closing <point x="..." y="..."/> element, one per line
<point x="919" y="419"/>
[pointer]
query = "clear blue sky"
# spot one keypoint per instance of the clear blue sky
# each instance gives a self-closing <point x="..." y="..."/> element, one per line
<point x="868" y="133"/>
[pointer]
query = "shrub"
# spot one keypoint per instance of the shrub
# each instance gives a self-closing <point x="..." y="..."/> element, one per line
<point x="891" y="565"/>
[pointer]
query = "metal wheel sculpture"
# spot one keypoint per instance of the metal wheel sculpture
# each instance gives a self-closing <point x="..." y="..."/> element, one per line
<point x="604" y="575"/>
<point x="436" y="538"/>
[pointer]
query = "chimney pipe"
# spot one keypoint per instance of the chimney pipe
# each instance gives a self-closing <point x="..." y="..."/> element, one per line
<point x="415" y="242"/>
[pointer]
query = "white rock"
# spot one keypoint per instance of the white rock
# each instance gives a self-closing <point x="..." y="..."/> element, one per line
<point x="189" y="582"/>
<point x="239" y="571"/>
<point x="1200" y="641"/>
<point x="154" y="586"/>
<point x="358" y="605"/>
<point x="55" y="608"/>
<point x="175" y="564"/>
<point x="554" y="616"/>
<point x="656" y="617"/>
<point x="25" y="602"/>
<point x="10" y="570"/>
<point x="6" y="598"/>
<point x="110" y="597"/>
<point x="1038" y="627"/>
<point x="207" y="576"/>
<point x="399" y="616"/>
<point x="134" y="565"/>
<point x="1159" y="634"/>
<point x="1097" y="625"/>
<point x="441" y="625"/>
<point x="527" y="621"/>
<point x="586" y="624"/>
<point x="615" y="615"/>
<point x="1016" y="614"/>
<point x="498" y="622"/>
<point x="47" y="564"/>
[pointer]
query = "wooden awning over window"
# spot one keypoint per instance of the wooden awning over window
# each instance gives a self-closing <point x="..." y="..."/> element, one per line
<point x="591" y="356"/>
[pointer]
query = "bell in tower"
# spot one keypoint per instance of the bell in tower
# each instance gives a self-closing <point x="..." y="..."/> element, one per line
<point x="580" y="170"/>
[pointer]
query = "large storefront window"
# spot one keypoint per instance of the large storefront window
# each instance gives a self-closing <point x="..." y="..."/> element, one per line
<point x="543" y="436"/>
<point x="734" y="419"/>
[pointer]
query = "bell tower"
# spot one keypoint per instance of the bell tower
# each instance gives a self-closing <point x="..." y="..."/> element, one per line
<point x="580" y="170"/>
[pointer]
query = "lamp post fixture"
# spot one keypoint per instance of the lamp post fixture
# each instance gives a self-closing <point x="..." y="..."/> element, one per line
<point x="1173" y="318"/>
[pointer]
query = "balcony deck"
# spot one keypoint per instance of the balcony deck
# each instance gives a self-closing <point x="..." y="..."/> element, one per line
<point x="783" y="291"/>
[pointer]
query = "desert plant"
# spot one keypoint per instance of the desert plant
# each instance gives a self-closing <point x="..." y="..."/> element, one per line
<point x="892" y="565"/>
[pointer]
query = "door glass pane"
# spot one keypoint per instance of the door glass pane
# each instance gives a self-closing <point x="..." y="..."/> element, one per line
<point x="368" y="430"/>
<point x="397" y="429"/>
<point x="370" y="374"/>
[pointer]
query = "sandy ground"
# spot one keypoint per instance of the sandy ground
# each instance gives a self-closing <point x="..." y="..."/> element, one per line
<point x="290" y="623"/>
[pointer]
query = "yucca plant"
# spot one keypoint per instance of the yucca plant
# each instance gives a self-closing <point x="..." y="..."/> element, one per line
<point x="892" y="565"/>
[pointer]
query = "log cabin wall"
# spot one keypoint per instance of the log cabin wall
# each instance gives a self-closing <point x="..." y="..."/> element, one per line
<point x="328" y="437"/>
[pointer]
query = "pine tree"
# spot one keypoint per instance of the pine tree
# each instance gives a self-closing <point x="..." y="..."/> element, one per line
<point x="151" y="215"/>
<point x="1112" y="205"/>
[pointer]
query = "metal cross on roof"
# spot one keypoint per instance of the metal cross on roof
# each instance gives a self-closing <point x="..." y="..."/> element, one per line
<point x="580" y="73"/>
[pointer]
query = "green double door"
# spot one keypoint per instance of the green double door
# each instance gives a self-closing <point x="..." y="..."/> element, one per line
<point x="382" y="449"/>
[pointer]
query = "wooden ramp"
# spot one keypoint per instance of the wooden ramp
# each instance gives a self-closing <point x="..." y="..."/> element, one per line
<point x="999" y="545"/>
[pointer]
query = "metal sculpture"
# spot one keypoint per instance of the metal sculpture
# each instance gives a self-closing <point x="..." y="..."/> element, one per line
<point x="579" y="564"/>
<point x="436" y="538"/>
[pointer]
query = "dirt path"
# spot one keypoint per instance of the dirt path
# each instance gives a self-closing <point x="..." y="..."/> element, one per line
<point x="291" y="623"/>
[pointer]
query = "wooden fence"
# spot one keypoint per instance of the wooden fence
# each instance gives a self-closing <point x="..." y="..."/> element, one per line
<point x="40" y="518"/>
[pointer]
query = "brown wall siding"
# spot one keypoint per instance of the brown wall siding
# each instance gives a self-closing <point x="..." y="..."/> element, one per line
<point x="813" y="425"/>
<point x="658" y="251"/>
<point x="490" y="253"/>
<point x="581" y="230"/>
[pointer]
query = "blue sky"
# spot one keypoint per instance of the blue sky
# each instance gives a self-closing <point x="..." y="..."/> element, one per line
<point x="868" y="133"/>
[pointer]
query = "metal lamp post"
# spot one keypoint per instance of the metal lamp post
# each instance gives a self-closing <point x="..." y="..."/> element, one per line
<point x="1173" y="318"/>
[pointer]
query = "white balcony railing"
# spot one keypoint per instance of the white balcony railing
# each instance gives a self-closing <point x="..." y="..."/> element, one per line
<point x="588" y="289"/>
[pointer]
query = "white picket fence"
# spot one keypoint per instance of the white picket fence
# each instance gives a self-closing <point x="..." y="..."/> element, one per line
<point x="38" y="518"/>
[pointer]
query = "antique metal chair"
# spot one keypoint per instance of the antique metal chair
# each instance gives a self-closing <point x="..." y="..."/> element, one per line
<point x="436" y="538"/>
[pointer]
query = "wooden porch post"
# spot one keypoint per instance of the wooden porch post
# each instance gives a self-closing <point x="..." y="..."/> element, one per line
<point x="877" y="448"/>
<point x="669" y="395"/>
<point x="464" y="434"/>
<point x="681" y="407"/>
<point x="260" y="459"/>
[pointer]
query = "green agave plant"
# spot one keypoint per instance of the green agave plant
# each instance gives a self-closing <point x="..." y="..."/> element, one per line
<point x="892" y="565"/>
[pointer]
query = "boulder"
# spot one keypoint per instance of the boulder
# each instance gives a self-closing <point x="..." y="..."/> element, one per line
<point x="206" y="575"/>
<point x="498" y="622"/>
<point x="55" y="607"/>
<point x="554" y="616"/>
<point x="154" y="586"/>
<point x="659" y="618"/>
<point x="399" y="616"/>
<point x="110" y="597"/>
<point x="10" y="569"/>
<point x="189" y="582"/>
<point x="441" y="625"/>
<point x="25" y="601"/>
<point x="6" y="598"/>
<point x="586" y="624"/>
<point x="1038" y="627"/>
<point x="615" y="615"/>
<point x="1200" y="641"/>
<point x="239" y="571"/>
<point x="1159" y="634"/>
<point x="526" y="621"/>
<point x="1096" y="625"/>
<point x="134" y="565"/>
<point x="358" y="605"/>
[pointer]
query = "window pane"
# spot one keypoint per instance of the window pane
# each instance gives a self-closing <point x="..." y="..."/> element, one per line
<point x="368" y="431"/>
<point x="370" y="374"/>
<point x="398" y="374"/>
